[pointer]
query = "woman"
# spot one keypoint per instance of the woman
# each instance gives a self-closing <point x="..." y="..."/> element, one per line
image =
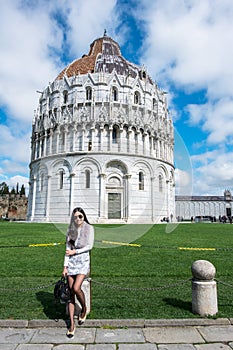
<point x="79" y="241"/>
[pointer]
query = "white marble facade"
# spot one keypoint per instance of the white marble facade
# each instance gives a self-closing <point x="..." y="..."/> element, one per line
<point x="102" y="139"/>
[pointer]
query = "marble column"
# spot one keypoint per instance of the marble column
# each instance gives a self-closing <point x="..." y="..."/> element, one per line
<point x="72" y="175"/>
<point x="33" y="198"/>
<point x="47" y="209"/>
<point x="102" y="204"/>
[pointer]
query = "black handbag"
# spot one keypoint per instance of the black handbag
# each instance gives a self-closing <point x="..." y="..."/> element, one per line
<point x="62" y="291"/>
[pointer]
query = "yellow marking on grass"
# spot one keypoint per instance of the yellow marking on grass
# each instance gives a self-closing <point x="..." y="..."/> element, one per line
<point x="45" y="244"/>
<point x="122" y="243"/>
<point x="187" y="248"/>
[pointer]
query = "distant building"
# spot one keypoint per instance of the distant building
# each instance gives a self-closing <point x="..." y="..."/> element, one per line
<point x="204" y="206"/>
<point x="102" y="138"/>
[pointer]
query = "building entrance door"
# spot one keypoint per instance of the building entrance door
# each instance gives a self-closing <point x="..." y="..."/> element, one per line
<point x="228" y="211"/>
<point x="114" y="205"/>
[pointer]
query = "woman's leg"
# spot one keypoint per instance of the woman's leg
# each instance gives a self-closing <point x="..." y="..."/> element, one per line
<point x="71" y="305"/>
<point x="79" y="293"/>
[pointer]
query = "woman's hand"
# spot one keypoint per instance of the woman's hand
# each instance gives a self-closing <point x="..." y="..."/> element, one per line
<point x="65" y="271"/>
<point x="70" y="252"/>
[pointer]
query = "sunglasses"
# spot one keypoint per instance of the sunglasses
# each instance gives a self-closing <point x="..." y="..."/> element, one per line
<point x="78" y="217"/>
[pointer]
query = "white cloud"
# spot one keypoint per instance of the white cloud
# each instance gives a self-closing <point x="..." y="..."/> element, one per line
<point x="87" y="21"/>
<point x="26" y="65"/>
<point x="183" y="181"/>
<point x="213" y="172"/>
<point x="14" y="147"/>
<point x="216" y="118"/>
<point x="13" y="167"/>
<point x="3" y="178"/>
<point x="12" y="181"/>
<point x="188" y="43"/>
<point x="26" y="62"/>
<point x="21" y="180"/>
<point x="206" y="157"/>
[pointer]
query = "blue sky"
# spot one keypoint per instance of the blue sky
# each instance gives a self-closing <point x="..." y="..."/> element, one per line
<point x="186" y="46"/>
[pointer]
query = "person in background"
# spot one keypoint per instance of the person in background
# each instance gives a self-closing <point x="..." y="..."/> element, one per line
<point x="79" y="242"/>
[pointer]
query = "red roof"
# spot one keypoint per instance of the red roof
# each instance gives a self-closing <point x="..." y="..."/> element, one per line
<point x="104" y="56"/>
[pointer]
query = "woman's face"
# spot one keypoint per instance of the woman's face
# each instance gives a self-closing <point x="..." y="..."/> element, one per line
<point x="78" y="218"/>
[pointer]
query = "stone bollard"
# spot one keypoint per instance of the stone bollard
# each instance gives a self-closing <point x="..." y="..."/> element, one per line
<point x="204" y="289"/>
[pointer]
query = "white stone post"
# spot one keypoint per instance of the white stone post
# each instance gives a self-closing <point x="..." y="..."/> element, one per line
<point x="204" y="289"/>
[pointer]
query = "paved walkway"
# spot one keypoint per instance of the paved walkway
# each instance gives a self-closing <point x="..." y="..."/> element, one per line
<point x="180" y="334"/>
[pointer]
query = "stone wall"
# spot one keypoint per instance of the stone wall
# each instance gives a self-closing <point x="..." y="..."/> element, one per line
<point x="13" y="207"/>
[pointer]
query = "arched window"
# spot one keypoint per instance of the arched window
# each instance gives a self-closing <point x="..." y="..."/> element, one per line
<point x="88" y="93"/>
<point x="160" y="183"/>
<point x="114" y="134"/>
<point x="114" y="94"/>
<point x="65" y="96"/>
<point x="87" y="178"/>
<point x="61" y="179"/>
<point x="141" y="180"/>
<point x="136" y="98"/>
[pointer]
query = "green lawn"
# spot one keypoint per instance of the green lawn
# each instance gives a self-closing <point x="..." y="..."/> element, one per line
<point x="156" y="263"/>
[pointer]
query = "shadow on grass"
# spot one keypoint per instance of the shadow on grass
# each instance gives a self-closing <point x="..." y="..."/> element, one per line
<point x="185" y="305"/>
<point x="51" y="308"/>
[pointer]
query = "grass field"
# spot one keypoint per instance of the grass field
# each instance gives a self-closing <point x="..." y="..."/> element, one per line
<point x="147" y="280"/>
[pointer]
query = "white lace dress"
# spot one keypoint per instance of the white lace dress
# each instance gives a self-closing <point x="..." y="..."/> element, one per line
<point x="79" y="263"/>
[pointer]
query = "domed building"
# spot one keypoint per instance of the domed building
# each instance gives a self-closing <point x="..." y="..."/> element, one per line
<point x="102" y="139"/>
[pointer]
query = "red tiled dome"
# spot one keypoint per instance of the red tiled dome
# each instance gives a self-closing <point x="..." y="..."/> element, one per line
<point x="104" y="56"/>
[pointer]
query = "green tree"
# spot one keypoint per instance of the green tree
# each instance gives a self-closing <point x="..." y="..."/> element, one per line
<point x="13" y="191"/>
<point x="4" y="188"/>
<point x="22" y="191"/>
